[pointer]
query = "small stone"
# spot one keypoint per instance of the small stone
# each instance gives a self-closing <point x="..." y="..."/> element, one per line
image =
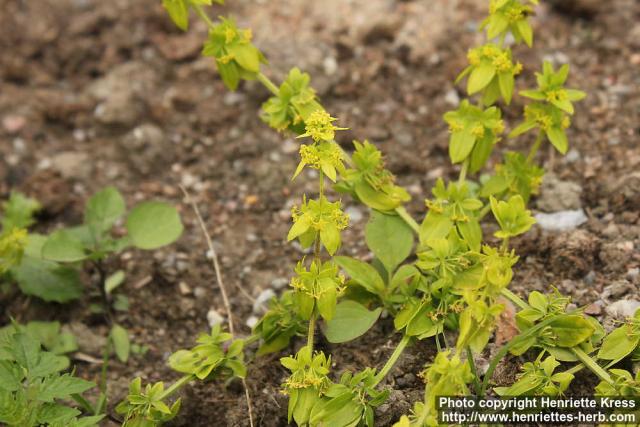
<point x="562" y="220"/>
<point x="557" y="195"/>
<point x="72" y="164"/>
<point x="355" y="214"/>
<point x="214" y="318"/>
<point x="13" y="123"/>
<point x="452" y="98"/>
<point x="184" y="288"/>
<point x="279" y="283"/>
<point x="623" y="308"/>
<point x="330" y="65"/>
<point x="260" y="304"/>
<point x="289" y="146"/>
<point x="199" y="292"/>
<point x="617" y="289"/>
<point x="594" y="309"/>
<point x="252" y="321"/>
<point x="572" y="156"/>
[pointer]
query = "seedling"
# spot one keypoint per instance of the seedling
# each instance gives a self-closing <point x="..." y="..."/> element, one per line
<point x="32" y="387"/>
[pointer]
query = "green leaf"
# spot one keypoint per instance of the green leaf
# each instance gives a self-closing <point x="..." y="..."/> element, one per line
<point x="525" y="31"/>
<point x="618" y="344"/>
<point x="103" y="210"/>
<point x="120" y="339"/>
<point x="460" y="145"/>
<point x="62" y="387"/>
<point x="506" y="82"/>
<point x="61" y="246"/>
<point x="350" y="321"/>
<point x="48" y="280"/>
<point x="435" y="226"/>
<point x="571" y="330"/>
<point x="247" y="56"/>
<point x="558" y="138"/>
<point x="330" y="238"/>
<point x="374" y="199"/>
<point x="389" y="238"/>
<point x="480" y="77"/>
<point x="178" y="12"/>
<point x="113" y="281"/>
<point x="362" y="273"/>
<point x="18" y="211"/>
<point x="152" y="225"/>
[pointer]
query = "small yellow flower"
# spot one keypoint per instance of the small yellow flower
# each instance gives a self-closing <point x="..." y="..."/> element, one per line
<point x="319" y="126"/>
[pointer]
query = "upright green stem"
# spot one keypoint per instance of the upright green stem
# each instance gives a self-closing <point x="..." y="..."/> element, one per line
<point x="472" y="364"/>
<point x="268" y="83"/>
<point x="312" y="330"/>
<point x="505" y="244"/>
<point x="392" y="359"/>
<point x="536" y="146"/>
<point x="463" y="171"/>
<point x="402" y="213"/>
<point x="202" y="14"/>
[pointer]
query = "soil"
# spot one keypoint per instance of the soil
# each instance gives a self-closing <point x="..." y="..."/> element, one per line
<point x="96" y="93"/>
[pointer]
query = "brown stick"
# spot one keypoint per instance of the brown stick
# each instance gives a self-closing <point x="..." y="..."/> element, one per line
<point x="223" y="291"/>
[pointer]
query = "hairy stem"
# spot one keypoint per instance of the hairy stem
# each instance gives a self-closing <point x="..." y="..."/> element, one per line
<point x="268" y="83"/>
<point x="402" y="213"/>
<point x="202" y="14"/>
<point x="514" y="298"/>
<point x="463" y="171"/>
<point x="505" y="349"/>
<point x="312" y="330"/>
<point x="392" y="359"/>
<point x="176" y="386"/>
<point x="592" y="365"/>
<point x="536" y="146"/>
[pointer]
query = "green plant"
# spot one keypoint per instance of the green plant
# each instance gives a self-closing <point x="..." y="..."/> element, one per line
<point x="217" y="356"/>
<point x="455" y="282"/>
<point x="32" y="386"/>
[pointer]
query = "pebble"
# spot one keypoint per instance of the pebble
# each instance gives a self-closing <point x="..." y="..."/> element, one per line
<point x="623" y="308"/>
<point x="72" y="164"/>
<point x="279" y="283"/>
<point x="199" y="292"/>
<point x="13" y="123"/>
<point x="330" y="65"/>
<point x="557" y="195"/>
<point x="214" y="318"/>
<point x="184" y="288"/>
<point x="260" y="304"/>
<point x="289" y="146"/>
<point x="562" y="220"/>
<point x="452" y="98"/>
<point x="617" y="289"/>
<point x="355" y="214"/>
<point x="572" y="156"/>
<point x="252" y="321"/>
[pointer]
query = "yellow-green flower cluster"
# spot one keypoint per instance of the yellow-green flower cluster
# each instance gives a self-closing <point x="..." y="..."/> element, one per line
<point x="326" y="156"/>
<point x="473" y="133"/>
<point x="293" y="104"/>
<point x="509" y="16"/>
<point x="317" y="287"/>
<point x="319" y="126"/>
<point x="236" y="57"/>
<point x="491" y="70"/>
<point x="12" y="245"/>
<point x="318" y="218"/>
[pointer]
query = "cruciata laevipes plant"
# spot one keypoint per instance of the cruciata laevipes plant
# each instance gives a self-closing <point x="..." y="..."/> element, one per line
<point x="457" y="284"/>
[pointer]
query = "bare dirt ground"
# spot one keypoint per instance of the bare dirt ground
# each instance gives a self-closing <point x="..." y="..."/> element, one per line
<point x="96" y="93"/>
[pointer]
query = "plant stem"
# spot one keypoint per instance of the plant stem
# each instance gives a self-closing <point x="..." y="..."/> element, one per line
<point x="505" y="349"/>
<point x="484" y="211"/>
<point x="592" y="365"/>
<point x="312" y="330"/>
<point x="392" y="360"/>
<point x="472" y="365"/>
<point x="463" y="171"/>
<point x="402" y="213"/>
<point x="514" y="298"/>
<point x="175" y="386"/>
<point x="103" y="377"/>
<point x="202" y="14"/>
<point x="536" y="146"/>
<point x="505" y="244"/>
<point x="268" y="83"/>
<point x="223" y="289"/>
<point x="84" y="403"/>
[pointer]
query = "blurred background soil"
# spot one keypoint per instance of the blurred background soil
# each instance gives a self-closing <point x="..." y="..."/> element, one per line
<point x="96" y="93"/>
